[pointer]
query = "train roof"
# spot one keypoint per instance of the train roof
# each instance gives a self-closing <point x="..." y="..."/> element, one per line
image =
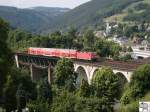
<point x="52" y="49"/>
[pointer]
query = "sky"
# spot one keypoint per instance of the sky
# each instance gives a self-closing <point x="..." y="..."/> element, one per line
<point x="46" y="3"/>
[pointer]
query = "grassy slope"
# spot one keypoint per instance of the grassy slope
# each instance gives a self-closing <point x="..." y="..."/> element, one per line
<point x="119" y="17"/>
<point x="147" y="1"/>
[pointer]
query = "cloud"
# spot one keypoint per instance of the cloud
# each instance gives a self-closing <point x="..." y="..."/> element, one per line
<point x="48" y="3"/>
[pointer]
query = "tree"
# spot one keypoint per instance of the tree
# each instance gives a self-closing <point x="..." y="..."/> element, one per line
<point x="114" y="49"/>
<point x="44" y="99"/>
<point x="12" y="89"/>
<point x="69" y="102"/>
<point x="130" y="11"/>
<point x="64" y="102"/>
<point x="38" y="106"/>
<point x="64" y="74"/>
<point x="5" y="54"/>
<point x="130" y="49"/>
<point x="138" y="86"/>
<point x="92" y="104"/>
<point x="122" y="82"/>
<point x="84" y="90"/>
<point x="102" y="47"/>
<point x="70" y="37"/>
<point x="141" y="79"/>
<point x="89" y="40"/>
<point x="9" y="95"/>
<point x="21" y="98"/>
<point x="105" y="84"/>
<point x="72" y="32"/>
<point x="44" y="92"/>
<point x="130" y="93"/>
<point x="106" y="48"/>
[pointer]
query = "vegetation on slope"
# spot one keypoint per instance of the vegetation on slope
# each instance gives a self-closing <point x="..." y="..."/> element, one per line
<point x="45" y="20"/>
<point x="33" y="20"/>
<point x="93" y="12"/>
<point x="136" y="12"/>
<point x="139" y="13"/>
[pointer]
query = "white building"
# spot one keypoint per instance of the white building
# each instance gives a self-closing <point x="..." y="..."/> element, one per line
<point x="141" y="51"/>
<point x="122" y="40"/>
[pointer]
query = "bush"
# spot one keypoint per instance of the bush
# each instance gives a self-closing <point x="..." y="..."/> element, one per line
<point x="105" y="84"/>
<point x="69" y="102"/>
<point x="126" y="98"/>
<point x="133" y="107"/>
<point x="140" y="80"/>
<point x="65" y="75"/>
<point x="38" y="106"/>
<point x="138" y="86"/>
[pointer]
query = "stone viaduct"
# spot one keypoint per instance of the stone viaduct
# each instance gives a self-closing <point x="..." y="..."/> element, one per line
<point x="85" y="69"/>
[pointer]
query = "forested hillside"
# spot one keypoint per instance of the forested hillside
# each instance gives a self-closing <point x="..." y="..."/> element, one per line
<point x="93" y="12"/>
<point x="138" y="13"/>
<point x="33" y="20"/>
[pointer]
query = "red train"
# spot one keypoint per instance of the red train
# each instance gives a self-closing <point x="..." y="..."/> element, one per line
<point x="63" y="53"/>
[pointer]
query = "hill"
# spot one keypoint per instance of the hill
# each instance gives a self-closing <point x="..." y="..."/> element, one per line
<point x="34" y="19"/>
<point x="93" y="12"/>
<point x="136" y="12"/>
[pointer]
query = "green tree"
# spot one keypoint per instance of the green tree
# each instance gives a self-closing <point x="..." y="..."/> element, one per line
<point x="72" y="32"/>
<point x="70" y="36"/>
<point x="11" y="86"/>
<point x="140" y="79"/>
<point x="138" y="86"/>
<point x="92" y="104"/>
<point x="131" y="11"/>
<point x="64" y="102"/>
<point x="69" y="102"/>
<point x="5" y="55"/>
<point x="89" y="40"/>
<point x="106" y="48"/>
<point x="9" y="95"/>
<point x="114" y="49"/>
<point x="38" y="106"/>
<point x="105" y="84"/>
<point x="64" y="74"/>
<point x="21" y="98"/>
<point x="122" y="83"/>
<point x="44" y="99"/>
<point x="130" y="49"/>
<point x="85" y="90"/>
<point x="102" y="47"/>
<point x="44" y="91"/>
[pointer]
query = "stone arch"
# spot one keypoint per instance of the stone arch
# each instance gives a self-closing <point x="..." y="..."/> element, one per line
<point x="93" y="73"/>
<point x="122" y="81"/>
<point x="122" y="78"/>
<point x="124" y="74"/>
<point x="82" y="74"/>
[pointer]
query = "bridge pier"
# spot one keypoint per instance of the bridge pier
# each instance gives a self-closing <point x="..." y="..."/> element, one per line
<point x="49" y="74"/>
<point x="37" y="73"/>
<point x="17" y="62"/>
<point x="31" y="72"/>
